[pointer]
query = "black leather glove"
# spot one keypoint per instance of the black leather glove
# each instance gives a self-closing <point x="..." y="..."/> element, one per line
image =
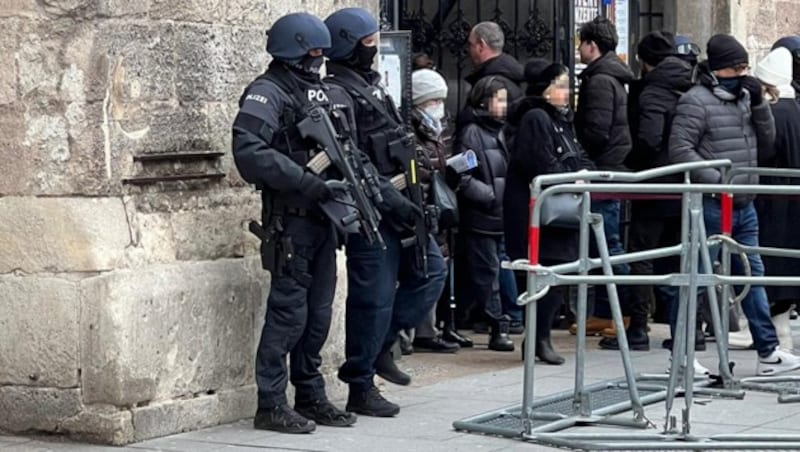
<point x="408" y="211"/>
<point x="315" y="188"/>
<point x="755" y="88"/>
<point x="452" y="178"/>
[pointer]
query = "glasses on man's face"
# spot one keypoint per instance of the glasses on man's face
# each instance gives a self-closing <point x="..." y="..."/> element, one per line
<point x="688" y="49"/>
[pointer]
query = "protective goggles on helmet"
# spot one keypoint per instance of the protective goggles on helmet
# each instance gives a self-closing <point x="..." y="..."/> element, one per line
<point x="688" y="48"/>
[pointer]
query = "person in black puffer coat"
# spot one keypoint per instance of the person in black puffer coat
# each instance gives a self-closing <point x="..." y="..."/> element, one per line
<point x="653" y="223"/>
<point x="778" y="216"/>
<point x="726" y="116"/>
<point x="480" y="205"/>
<point x="541" y="140"/>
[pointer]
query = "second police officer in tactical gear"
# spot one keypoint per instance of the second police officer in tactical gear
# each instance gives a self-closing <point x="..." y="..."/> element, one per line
<point x="389" y="289"/>
<point x="298" y="240"/>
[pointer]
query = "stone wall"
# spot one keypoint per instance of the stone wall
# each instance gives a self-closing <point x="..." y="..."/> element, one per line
<point x="756" y="23"/>
<point x="130" y="308"/>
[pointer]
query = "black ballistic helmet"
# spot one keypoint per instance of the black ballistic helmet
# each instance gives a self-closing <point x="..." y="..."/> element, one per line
<point x="294" y="35"/>
<point x="348" y="26"/>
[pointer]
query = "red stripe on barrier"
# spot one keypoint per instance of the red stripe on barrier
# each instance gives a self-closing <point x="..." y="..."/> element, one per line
<point x="727" y="214"/>
<point x="533" y="238"/>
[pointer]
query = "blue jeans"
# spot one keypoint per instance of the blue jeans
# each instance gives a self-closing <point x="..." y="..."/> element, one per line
<point x="508" y="289"/>
<point x="387" y="292"/>
<point x="755" y="305"/>
<point x="610" y="210"/>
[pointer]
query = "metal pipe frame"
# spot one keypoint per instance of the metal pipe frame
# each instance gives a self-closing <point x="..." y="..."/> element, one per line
<point x="693" y="236"/>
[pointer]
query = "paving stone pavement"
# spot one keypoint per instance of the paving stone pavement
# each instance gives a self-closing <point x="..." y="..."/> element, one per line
<point x="431" y="404"/>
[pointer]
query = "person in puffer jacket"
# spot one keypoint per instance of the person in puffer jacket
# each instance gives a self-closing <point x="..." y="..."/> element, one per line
<point x="480" y="205"/>
<point x="726" y="116"/>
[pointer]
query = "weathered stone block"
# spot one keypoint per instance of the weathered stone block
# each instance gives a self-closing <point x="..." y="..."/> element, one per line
<point x="175" y="416"/>
<point x="25" y="408"/>
<point x="8" y="71"/>
<point x="237" y="403"/>
<point x="62" y="234"/>
<point x="208" y="11"/>
<point x="38" y="331"/>
<point x="118" y="8"/>
<point x="216" y="63"/>
<point x="101" y="424"/>
<point x="19" y="8"/>
<point x="212" y="233"/>
<point x="191" y="333"/>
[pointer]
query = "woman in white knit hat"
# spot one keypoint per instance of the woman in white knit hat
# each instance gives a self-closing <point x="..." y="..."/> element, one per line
<point x="428" y="94"/>
<point x="778" y="216"/>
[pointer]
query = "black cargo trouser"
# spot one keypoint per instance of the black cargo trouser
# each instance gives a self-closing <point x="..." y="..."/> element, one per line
<point x="298" y="315"/>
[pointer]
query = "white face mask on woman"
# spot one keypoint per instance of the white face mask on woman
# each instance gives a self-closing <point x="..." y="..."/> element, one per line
<point x="432" y="118"/>
<point x="435" y="111"/>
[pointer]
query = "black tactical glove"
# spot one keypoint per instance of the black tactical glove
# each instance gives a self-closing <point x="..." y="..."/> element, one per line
<point x="408" y="211"/>
<point x="315" y="188"/>
<point x="755" y="88"/>
<point x="452" y="178"/>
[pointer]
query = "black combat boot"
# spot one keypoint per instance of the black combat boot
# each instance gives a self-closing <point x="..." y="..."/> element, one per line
<point x="323" y="412"/>
<point x="546" y="310"/>
<point x="499" y="340"/>
<point x="284" y="419"/>
<point x="370" y="402"/>
<point x="386" y="368"/>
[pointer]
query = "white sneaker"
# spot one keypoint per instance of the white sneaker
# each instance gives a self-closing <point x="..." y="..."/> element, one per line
<point x="700" y="370"/>
<point x="740" y="340"/>
<point x="777" y="362"/>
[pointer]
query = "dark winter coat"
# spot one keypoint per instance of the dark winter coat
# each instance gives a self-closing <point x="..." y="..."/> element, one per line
<point x="480" y="192"/>
<point x="654" y="107"/>
<point x="432" y="155"/>
<point x="779" y="216"/>
<point x="541" y="140"/>
<point x="601" y="119"/>
<point x="503" y="65"/>
<point x="711" y="123"/>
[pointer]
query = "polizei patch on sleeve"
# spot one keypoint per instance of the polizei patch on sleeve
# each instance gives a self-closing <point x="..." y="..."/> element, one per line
<point x="257" y="98"/>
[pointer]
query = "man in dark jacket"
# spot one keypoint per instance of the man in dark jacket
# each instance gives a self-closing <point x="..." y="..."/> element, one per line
<point x="601" y="122"/>
<point x="653" y="223"/>
<point x="486" y="41"/>
<point x="725" y="116"/>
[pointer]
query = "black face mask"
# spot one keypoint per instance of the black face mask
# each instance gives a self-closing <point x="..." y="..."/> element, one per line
<point x="732" y="85"/>
<point x="311" y="64"/>
<point x="363" y="57"/>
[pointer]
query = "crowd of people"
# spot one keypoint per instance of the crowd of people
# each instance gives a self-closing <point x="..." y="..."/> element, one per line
<point x="421" y="277"/>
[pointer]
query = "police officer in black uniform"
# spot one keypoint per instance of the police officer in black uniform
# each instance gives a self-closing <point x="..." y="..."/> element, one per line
<point x="298" y="240"/>
<point x="389" y="289"/>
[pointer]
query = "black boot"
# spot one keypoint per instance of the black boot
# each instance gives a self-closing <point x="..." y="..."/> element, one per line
<point x="324" y="412"/>
<point x="638" y="340"/>
<point x="499" y="340"/>
<point x="370" y="402"/>
<point x="386" y="368"/>
<point x="546" y="354"/>
<point x="284" y="419"/>
<point x="546" y="310"/>
<point x="451" y="335"/>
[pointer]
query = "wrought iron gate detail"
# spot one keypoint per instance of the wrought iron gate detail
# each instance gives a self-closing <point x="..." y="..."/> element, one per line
<point x="441" y="29"/>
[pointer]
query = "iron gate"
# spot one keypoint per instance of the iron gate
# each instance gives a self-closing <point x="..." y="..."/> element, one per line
<point x="441" y="28"/>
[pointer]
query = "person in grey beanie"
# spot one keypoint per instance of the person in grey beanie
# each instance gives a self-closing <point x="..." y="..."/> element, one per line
<point x="726" y="116"/>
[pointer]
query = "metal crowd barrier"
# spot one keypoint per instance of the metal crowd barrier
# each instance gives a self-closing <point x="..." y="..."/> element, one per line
<point x="542" y="420"/>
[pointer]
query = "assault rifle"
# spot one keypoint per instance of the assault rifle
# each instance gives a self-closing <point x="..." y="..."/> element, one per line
<point x="360" y="184"/>
<point x="403" y="152"/>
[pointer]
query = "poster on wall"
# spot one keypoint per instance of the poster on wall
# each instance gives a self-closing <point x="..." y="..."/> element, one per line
<point x="622" y="21"/>
<point x="395" y="68"/>
<point x="585" y="11"/>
